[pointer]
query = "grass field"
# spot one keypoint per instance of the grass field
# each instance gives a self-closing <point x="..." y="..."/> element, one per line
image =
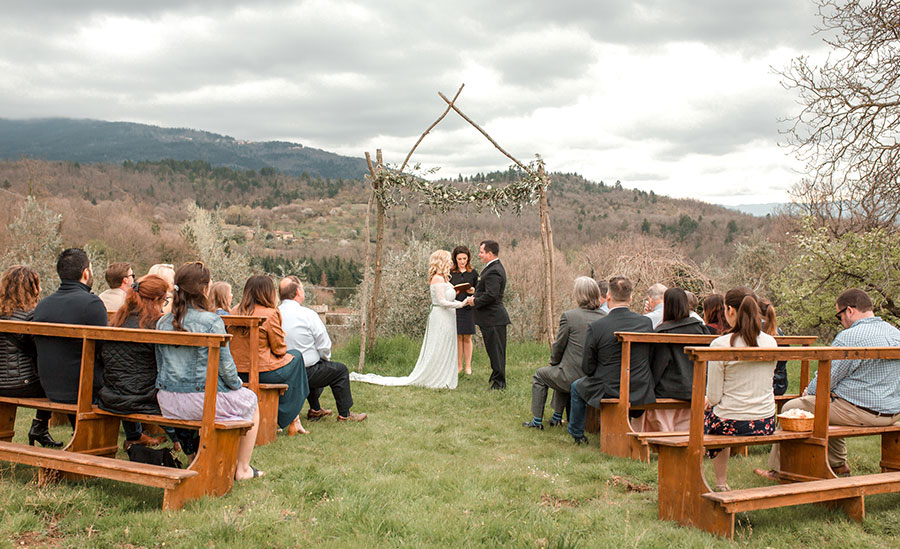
<point x="429" y="468"/>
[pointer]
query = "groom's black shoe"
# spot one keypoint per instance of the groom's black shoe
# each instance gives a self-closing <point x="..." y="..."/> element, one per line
<point x="581" y="440"/>
<point x="533" y="425"/>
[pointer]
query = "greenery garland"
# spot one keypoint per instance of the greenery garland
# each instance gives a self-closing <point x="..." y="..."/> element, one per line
<point x="392" y="188"/>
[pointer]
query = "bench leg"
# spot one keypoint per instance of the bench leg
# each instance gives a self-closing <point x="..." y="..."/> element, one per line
<point x="681" y="487"/>
<point x="890" y="452"/>
<point x="268" y="417"/>
<point x="215" y="463"/>
<point x="592" y="421"/>
<point x="804" y="460"/>
<point x="614" y="439"/>
<point x="7" y="422"/>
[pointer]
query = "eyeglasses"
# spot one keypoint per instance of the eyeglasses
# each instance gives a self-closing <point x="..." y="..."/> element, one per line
<point x="129" y="275"/>
<point x="840" y="313"/>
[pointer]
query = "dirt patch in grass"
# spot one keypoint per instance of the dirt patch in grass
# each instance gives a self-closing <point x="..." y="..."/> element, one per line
<point x="628" y="485"/>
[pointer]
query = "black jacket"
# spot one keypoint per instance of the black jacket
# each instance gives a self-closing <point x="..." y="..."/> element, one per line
<point x="58" y="358"/>
<point x="129" y="375"/>
<point x="488" y="299"/>
<point x="673" y="371"/>
<point x="18" y="366"/>
<point x="602" y="362"/>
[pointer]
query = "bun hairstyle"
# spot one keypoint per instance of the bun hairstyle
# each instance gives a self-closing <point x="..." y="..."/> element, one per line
<point x="191" y="281"/>
<point x="747" y="324"/>
<point x="144" y="297"/>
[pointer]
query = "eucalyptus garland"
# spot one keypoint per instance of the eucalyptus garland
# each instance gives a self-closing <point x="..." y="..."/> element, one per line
<point x="393" y="187"/>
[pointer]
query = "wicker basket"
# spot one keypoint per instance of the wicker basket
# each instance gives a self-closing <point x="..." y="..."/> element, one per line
<point x="796" y="423"/>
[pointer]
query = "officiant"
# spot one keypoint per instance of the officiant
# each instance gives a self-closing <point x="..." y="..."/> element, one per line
<point x="461" y="275"/>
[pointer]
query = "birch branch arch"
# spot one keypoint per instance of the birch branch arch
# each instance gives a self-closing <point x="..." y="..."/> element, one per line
<point x="390" y="187"/>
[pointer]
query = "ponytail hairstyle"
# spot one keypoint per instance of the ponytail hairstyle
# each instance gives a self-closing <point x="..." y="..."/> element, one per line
<point x="747" y="323"/>
<point x="258" y="290"/>
<point x="767" y="313"/>
<point x="191" y="281"/>
<point x="146" y="297"/>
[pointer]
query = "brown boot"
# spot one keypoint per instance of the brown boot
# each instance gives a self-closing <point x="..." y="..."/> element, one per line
<point x="353" y="417"/>
<point x="145" y="440"/>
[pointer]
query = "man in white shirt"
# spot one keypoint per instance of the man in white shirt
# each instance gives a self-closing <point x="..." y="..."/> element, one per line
<point x="305" y="332"/>
<point x="120" y="277"/>
<point x="654" y="307"/>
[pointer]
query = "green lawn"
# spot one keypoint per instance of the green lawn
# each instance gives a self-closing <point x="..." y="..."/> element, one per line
<point x="427" y="469"/>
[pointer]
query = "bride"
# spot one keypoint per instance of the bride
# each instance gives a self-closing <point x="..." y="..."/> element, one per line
<point x="436" y="366"/>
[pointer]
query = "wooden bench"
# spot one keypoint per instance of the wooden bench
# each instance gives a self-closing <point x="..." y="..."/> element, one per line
<point x="684" y="495"/>
<point x="617" y="435"/>
<point x="94" y="444"/>
<point x="247" y="327"/>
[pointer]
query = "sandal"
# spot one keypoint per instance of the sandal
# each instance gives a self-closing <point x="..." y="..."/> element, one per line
<point x="722" y="488"/>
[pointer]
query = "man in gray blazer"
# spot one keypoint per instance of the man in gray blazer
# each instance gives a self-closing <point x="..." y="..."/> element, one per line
<point x="603" y="357"/>
<point x="565" y="355"/>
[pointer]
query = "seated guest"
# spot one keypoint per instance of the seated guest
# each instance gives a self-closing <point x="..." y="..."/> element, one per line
<point x="653" y="309"/>
<point x="673" y="371"/>
<point x="604" y="292"/>
<point x="181" y="379"/>
<point x="167" y="273"/>
<point x="693" y="303"/>
<point x="714" y="314"/>
<point x="305" y="332"/>
<point x="566" y="354"/>
<point x="20" y="287"/>
<point x="59" y="358"/>
<point x="119" y="276"/>
<point x="603" y="359"/>
<point x="770" y="326"/>
<point x="863" y="392"/>
<point x="220" y="297"/>
<point x="277" y="363"/>
<point x="739" y="397"/>
<point x="129" y="369"/>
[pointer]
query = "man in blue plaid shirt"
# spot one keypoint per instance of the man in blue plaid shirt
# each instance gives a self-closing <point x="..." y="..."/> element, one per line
<point x="863" y="392"/>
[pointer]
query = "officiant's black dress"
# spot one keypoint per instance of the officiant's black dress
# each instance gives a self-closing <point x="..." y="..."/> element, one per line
<point x="465" y="325"/>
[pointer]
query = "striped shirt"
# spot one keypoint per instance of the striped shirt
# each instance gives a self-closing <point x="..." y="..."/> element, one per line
<point x="872" y="384"/>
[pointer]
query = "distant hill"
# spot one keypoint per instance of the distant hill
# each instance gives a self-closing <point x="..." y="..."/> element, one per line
<point x="89" y="141"/>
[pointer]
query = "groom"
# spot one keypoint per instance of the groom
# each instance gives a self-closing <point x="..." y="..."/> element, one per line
<point x="489" y="313"/>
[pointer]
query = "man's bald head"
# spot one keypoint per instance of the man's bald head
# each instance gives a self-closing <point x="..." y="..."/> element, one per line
<point x="290" y="287"/>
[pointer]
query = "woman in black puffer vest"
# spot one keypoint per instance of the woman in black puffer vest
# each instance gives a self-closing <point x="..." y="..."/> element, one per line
<point x="129" y="377"/>
<point x="20" y="287"/>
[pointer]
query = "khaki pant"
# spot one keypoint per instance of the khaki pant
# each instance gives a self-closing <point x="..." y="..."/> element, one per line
<point x="841" y="413"/>
<point x="663" y="420"/>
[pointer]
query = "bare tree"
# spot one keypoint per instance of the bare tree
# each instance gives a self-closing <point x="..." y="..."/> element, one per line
<point x="847" y="131"/>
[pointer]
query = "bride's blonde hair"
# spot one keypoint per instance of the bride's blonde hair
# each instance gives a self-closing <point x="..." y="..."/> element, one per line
<point x="439" y="264"/>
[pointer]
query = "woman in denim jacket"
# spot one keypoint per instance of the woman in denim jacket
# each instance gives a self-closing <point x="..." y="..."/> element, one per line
<point x="182" y="370"/>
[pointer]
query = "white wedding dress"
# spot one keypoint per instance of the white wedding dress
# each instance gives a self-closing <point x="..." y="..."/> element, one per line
<point x="437" y="363"/>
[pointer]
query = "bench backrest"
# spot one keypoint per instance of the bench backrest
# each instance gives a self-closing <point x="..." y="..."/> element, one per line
<point x="90" y="335"/>
<point x="628" y="338"/>
<point x="823" y="355"/>
<point x="246" y="327"/>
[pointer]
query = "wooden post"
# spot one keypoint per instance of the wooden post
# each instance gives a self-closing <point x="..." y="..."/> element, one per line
<point x="372" y="321"/>
<point x="364" y="296"/>
<point x="548" y="328"/>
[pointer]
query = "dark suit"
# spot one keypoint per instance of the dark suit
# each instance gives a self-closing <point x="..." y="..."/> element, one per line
<point x="491" y="316"/>
<point x="566" y="358"/>
<point x="602" y="364"/>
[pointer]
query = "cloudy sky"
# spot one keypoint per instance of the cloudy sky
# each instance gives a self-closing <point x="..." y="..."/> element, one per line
<point x="677" y="96"/>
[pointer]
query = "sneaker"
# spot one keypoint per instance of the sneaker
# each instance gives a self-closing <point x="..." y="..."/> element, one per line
<point x="581" y="440"/>
<point x="533" y="425"/>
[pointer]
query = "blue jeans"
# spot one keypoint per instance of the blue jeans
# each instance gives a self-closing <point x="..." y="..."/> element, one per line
<point x="577" y="412"/>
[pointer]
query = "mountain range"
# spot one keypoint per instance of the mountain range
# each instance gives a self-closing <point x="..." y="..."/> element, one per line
<point x="88" y="141"/>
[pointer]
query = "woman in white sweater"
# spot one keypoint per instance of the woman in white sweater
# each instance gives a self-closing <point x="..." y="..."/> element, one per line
<point x="739" y="396"/>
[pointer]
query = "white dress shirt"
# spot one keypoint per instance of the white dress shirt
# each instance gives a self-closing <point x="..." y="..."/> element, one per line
<point x="305" y="332"/>
<point x="656" y="315"/>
